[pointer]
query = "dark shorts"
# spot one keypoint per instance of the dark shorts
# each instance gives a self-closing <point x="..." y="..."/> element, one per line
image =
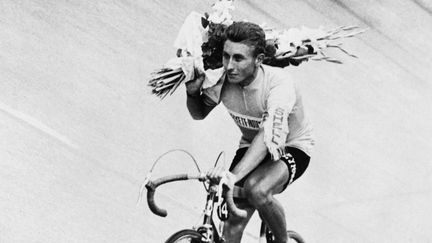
<point x="296" y="160"/>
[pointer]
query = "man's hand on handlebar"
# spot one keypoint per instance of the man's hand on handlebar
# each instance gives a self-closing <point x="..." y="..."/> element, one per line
<point x="219" y="174"/>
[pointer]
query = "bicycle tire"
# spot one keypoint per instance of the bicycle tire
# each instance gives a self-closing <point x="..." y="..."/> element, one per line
<point x="295" y="236"/>
<point x="186" y="235"/>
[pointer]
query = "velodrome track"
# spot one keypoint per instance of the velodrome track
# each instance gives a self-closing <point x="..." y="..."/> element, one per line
<point x="79" y="128"/>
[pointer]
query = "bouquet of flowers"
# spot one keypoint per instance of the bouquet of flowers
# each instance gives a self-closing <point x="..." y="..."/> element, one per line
<point x="200" y="44"/>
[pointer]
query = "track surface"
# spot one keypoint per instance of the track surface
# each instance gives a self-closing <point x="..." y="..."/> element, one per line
<point x="79" y="129"/>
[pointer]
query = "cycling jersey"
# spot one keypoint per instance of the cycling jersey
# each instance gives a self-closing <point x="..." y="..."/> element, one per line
<point x="272" y="94"/>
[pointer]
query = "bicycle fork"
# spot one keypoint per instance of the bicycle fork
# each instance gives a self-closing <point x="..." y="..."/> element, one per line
<point x="208" y="227"/>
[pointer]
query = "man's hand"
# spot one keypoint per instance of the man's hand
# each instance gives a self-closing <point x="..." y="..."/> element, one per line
<point x="229" y="180"/>
<point x="218" y="174"/>
<point x="193" y="87"/>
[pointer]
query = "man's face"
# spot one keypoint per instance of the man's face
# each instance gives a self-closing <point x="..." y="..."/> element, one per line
<point x="239" y="62"/>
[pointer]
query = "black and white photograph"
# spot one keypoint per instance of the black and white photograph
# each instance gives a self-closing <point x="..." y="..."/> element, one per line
<point x="215" y="121"/>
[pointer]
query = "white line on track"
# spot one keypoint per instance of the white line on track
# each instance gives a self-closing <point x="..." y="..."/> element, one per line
<point x="37" y="125"/>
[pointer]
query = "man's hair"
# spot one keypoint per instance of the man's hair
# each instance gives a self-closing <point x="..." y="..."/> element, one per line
<point x="247" y="33"/>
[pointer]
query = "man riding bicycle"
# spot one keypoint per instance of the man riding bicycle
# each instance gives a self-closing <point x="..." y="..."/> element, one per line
<point x="276" y="140"/>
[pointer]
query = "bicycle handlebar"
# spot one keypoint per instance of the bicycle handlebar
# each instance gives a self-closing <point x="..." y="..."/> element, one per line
<point x="152" y="185"/>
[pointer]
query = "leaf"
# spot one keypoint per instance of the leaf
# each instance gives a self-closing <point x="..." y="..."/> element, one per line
<point x="334" y="61"/>
<point x="164" y="95"/>
<point x="352" y="27"/>
<point x="343" y="50"/>
<point x="160" y="88"/>
<point x="347" y="35"/>
<point x="170" y="79"/>
<point x="181" y="79"/>
<point x="166" y="73"/>
<point x="303" y="56"/>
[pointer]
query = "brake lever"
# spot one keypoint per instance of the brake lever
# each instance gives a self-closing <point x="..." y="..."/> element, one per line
<point x="143" y="186"/>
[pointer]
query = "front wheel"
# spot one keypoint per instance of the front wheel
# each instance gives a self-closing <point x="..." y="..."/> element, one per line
<point x="185" y="236"/>
<point x="295" y="236"/>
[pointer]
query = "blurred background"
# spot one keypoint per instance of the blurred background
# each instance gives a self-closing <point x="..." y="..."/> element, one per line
<point x="80" y="128"/>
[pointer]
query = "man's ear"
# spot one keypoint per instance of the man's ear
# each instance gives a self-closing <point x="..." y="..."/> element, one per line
<point x="259" y="59"/>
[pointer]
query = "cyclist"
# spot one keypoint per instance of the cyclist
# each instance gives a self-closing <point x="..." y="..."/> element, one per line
<point x="276" y="137"/>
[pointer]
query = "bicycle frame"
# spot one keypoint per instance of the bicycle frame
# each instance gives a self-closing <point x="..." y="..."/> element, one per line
<point x="208" y="230"/>
<point x="213" y="234"/>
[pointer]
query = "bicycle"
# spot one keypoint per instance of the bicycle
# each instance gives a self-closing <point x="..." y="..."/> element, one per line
<point x="208" y="231"/>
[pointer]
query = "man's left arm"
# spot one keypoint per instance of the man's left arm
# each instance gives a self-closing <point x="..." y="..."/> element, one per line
<point x="252" y="158"/>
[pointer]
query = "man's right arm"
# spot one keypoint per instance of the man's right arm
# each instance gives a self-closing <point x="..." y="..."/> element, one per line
<point x="195" y="100"/>
<point x="196" y="106"/>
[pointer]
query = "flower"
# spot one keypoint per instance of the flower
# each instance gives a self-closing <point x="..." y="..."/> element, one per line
<point x="200" y="46"/>
<point x="221" y="12"/>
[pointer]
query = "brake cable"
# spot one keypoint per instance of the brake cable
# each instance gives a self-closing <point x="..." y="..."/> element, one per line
<point x="149" y="174"/>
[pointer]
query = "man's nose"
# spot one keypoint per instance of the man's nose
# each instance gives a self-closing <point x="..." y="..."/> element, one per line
<point x="230" y="64"/>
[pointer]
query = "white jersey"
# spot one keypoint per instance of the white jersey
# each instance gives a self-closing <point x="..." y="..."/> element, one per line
<point x="271" y="91"/>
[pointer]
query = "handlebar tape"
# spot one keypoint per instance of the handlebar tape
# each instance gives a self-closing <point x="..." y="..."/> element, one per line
<point x="231" y="205"/>
<point x="152" y="204"/>
<point x="151" y="189"/>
